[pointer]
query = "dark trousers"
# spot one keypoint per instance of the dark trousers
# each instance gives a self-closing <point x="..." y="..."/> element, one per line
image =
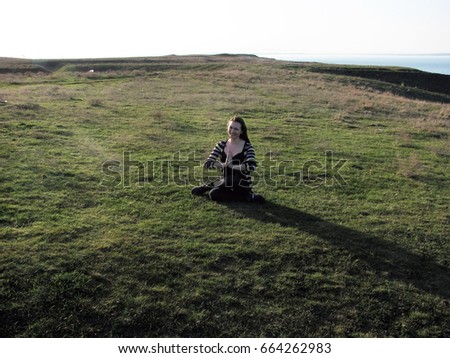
<point x="228" y="194"/>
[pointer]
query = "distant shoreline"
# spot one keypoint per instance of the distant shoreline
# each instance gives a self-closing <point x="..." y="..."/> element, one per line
<point x="352" y="54"/>
<point x="437" y="63"/>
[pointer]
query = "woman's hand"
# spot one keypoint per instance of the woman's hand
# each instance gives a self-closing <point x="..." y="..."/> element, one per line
<point x="228" y="162"/>
<point x="219" y="165"/>
<point x="238" y="167"/>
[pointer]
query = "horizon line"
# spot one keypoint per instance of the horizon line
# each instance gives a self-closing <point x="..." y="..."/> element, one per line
<point x="258" y="54"/>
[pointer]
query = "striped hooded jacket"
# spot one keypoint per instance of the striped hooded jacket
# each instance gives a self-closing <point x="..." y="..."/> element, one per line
<point x="235" y="178"/>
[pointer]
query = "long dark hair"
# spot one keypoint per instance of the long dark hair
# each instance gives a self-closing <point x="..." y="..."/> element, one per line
<point x="244" y="134"/>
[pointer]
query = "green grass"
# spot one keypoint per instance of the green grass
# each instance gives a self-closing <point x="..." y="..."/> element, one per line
<point x="82" y="255"/>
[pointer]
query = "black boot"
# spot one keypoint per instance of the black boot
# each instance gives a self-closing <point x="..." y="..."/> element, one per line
<point x="200" y="190"/>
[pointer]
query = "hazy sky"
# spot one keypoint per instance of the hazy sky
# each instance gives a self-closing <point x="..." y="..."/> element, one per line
<point x="128" y="28"/>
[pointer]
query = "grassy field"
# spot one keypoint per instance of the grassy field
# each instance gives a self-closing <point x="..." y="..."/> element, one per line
<point x="100" y="236"/>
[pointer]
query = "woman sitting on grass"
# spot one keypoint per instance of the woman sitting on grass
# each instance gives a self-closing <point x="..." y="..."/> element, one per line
<point x="235" y="158"/>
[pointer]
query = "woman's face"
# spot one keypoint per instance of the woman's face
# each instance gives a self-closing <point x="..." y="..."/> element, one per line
<point x="234" y="130"/>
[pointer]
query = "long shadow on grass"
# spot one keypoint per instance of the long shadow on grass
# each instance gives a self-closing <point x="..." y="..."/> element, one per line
<point x="381" y="256"/>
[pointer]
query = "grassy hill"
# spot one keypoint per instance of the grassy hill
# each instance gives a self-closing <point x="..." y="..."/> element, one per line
<point x="100" y="236"/>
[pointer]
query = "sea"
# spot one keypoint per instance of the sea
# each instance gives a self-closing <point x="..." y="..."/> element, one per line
<point x="428" y="63"/>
